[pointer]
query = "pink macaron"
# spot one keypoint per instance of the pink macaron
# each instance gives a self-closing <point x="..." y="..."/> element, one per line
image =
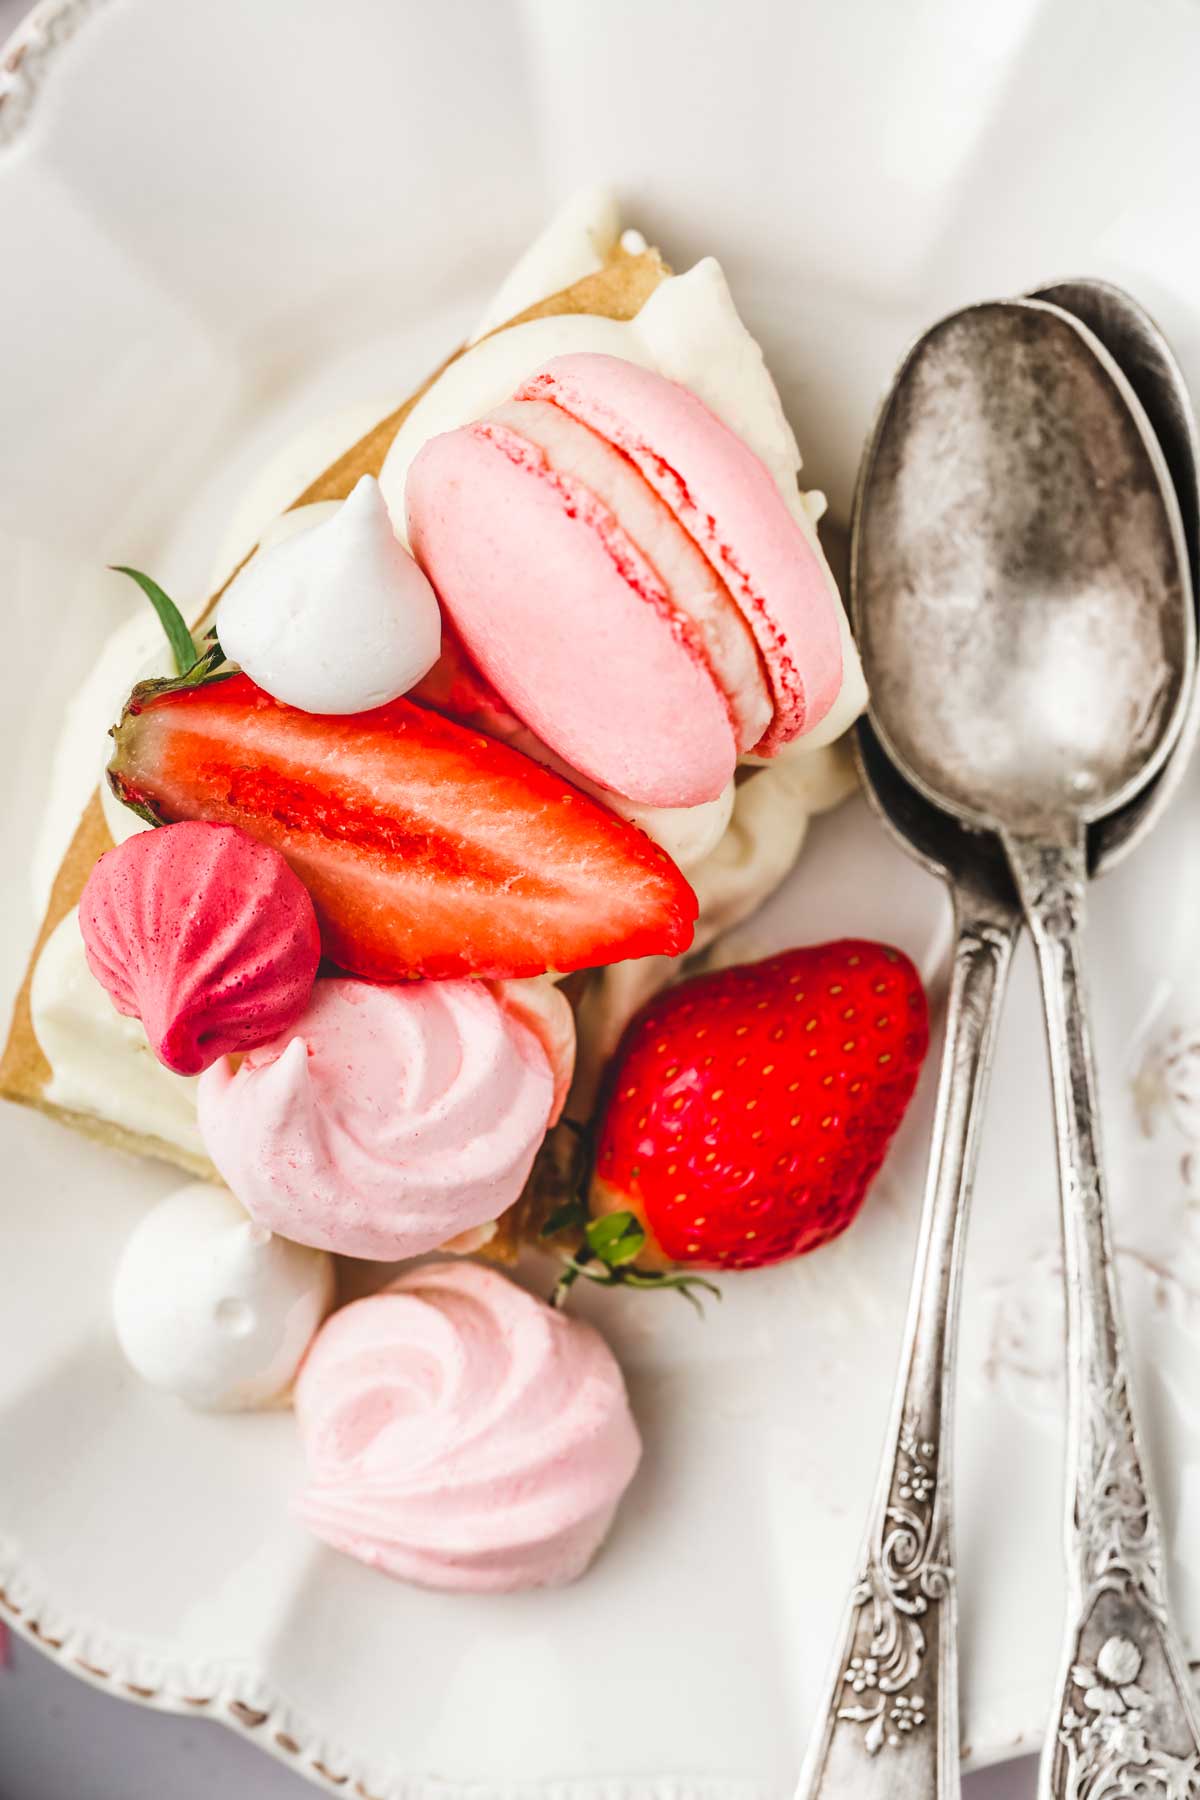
<point x="626" y="573"/>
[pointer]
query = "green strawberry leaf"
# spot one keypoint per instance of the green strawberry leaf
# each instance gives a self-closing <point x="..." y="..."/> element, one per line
<point x="207" y="667"/>
<point x="169" y="617"/>
<point x="616" y="1239"/>
<point x="606" y="1247"/>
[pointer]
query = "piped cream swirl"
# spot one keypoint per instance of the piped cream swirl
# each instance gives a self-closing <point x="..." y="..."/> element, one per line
<point x="462" y="1434"/>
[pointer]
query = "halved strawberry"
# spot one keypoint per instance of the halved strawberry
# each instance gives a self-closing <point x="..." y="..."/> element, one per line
<point x="429" y="850"/>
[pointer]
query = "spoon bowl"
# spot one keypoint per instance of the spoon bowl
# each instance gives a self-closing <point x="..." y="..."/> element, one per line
<point x="1021" y="575"/>
<point x="1145" y="358"/>
<point x="938" y="839"/>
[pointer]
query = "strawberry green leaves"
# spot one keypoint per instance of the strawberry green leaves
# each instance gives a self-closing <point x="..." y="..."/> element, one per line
<point x="193" y="668"/>
<point x="607" y="1247"/>
<point x="616" y="1239"/>
<point x="620" y="1238"/>
<point x="169" y="617"/>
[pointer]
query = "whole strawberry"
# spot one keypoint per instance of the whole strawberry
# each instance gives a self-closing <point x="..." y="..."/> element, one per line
<point x="750" y="1109"/>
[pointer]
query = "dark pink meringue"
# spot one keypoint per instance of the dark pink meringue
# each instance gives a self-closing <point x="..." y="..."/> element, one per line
<point x="205" y="936"/>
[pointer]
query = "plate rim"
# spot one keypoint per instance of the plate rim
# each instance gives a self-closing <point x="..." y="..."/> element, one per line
<point x="27" y="54"/>
<point x="275" y="1727"/>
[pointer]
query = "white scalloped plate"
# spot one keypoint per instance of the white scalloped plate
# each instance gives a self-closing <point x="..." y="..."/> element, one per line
<point x="218" y="220"/>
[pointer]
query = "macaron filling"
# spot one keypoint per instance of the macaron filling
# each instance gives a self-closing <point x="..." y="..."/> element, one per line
<point x="727" y="502"/>
<point x="568" y="619"/>
<point x="668" y="569"/>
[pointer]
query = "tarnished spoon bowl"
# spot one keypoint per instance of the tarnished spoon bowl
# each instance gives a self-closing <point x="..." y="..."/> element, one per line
<point x="1142" y="353"/>
<point x="1145" y="358"/>
<point x="1030" y="652"/>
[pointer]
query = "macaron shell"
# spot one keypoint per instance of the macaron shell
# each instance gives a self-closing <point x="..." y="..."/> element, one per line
<point x="727" y="501"/>
<point x="558" y="607"/>
<point x="707" y="615"/>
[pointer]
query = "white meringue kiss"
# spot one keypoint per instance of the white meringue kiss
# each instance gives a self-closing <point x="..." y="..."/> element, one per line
<point x="461" y="1434"/>
<point x="388" y="1120"/>
<point x="212" y="1308"/>
<point x="337" y="618"/>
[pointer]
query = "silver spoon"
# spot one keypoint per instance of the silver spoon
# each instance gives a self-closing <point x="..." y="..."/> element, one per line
<point x="902" y="1611"/>
<point x="1146" y="360"/>
<point x="1032" y="652"/>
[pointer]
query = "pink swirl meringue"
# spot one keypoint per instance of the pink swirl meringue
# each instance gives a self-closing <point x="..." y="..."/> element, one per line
<point x="463" y="1435"/>
<point x="535" y="1001"/>
<point x="389" y="1120"/>
<point x="205" y="936"/>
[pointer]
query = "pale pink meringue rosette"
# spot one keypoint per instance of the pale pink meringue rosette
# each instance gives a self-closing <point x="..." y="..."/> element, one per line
<point x="463" y="1435"/>
<point x="386" y="1121"/>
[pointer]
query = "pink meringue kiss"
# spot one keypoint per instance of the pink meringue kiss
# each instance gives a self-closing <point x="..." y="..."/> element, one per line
<point x="205" y="936"/>
<point x="463" y="1435"/>
<point x="390" y="1119"/>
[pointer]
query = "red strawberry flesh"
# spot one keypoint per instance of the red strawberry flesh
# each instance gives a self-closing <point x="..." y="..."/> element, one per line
<point x="428" y="849"/>
<point x="749" y="1110"/>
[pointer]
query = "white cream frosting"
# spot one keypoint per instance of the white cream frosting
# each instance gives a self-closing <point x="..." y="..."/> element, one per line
<point x="770" y="819"/>
<point x="690" y="331"/>
<point x="291" y="523"/>
<point x="688" y="834"/>
<point x="100" y="1061"/>
<point x="578" y="240"/>
<point x="82" y="747"/>
<point x="336" y="618"/>
<point x="212" y="1308"/>
<point x="292" y="467"/>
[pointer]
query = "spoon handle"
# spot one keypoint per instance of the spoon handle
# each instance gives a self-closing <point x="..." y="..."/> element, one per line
<point x="890" y="1725"/>
<point x="1126" y="1719"/>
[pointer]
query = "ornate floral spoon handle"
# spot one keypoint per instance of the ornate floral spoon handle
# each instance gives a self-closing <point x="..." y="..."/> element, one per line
<point x="890" y="1728"/>
<point x="1126" y="1719"/>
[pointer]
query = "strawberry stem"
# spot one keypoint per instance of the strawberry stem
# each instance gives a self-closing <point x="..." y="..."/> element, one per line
<point x="572" y="1270"/>
<point x="689" y="1286"/>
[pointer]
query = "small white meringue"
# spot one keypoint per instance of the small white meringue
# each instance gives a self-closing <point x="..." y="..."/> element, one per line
<point x="213" y="1308"/>
<point x="337" y="618"/>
